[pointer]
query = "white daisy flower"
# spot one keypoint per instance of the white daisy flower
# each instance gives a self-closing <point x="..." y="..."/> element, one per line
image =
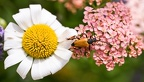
<point x="38" y="42"/>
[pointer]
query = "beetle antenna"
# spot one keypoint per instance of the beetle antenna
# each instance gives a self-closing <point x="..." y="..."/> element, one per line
<point x="93" y="33"/>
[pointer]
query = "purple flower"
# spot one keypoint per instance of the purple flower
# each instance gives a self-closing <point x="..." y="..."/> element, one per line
<point x="1" y="41"/>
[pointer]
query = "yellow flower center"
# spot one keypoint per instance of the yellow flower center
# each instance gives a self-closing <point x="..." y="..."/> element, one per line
<point x="39" y="41"/>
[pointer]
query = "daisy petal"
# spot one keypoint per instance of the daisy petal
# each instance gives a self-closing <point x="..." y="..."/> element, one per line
<point x="39" y="69"/>
<point x="24" y="10"/>
<point x="10" y="36"/>
<point x="66" y="44"/>
<point x="61" y="61"/>
<point x="27" y="15"/>
<point x="36" y="71"/>
<point x="60" y="30"/>
<point x="56" y="24"/>
<point x="15" y="56"/>
<point x="23" y="20"/>
<point x="54" y="63"/>
<point x="67" y="34"/>
<point x="8" y="44"/>
<point x="24" y="67"/>
<point x="44" y="69"/>
<point x="35" y="13"/>
<point x="47" y="17"/>
<point x="63" y="53"/>
<point x="14" y="30"/>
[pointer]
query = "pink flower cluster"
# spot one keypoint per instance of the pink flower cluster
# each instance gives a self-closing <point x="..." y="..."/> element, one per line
<point x="137" y="12"/>
<point x="110" y="26"/>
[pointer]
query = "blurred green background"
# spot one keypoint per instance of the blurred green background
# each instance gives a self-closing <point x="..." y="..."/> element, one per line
<point x="83" y="70"/>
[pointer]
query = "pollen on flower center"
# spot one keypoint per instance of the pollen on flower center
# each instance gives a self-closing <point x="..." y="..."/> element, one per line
<point x="39" y="41"/>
